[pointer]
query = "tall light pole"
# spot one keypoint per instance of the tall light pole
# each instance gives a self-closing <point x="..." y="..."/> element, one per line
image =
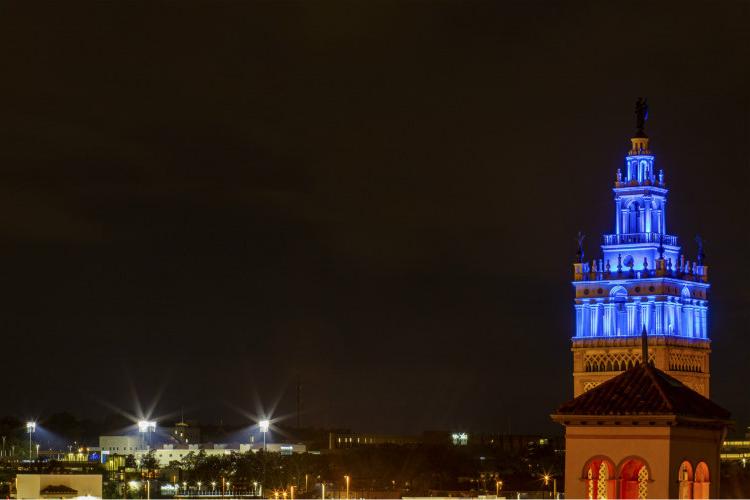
<point x="264" y="425"/>
<point x="554" y="487"/>
<point x="547" y="478"/>
<point x="30" y="428"/>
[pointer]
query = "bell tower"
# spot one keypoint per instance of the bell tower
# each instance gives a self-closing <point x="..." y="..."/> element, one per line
<point x="641" y="282"/>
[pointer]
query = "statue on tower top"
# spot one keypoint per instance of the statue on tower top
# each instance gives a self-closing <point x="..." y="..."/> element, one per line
<point x="641" y="115"/>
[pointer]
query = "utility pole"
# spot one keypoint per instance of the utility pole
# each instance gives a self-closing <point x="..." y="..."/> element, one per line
<point x="554" y="487"/>
<point x="299" y="397"/>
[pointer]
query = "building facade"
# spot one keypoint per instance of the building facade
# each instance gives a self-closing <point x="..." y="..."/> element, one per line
<point x="641" y="281"/>
<point x="642" y="434"/>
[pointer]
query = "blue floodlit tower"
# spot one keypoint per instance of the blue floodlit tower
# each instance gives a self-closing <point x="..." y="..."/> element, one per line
<point x="642" y="281"/>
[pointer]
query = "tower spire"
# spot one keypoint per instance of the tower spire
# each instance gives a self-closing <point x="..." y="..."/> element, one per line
<point x="644" y="346"/>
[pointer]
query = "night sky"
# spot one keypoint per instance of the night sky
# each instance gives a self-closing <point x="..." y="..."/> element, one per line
<point x="200" y="201"/>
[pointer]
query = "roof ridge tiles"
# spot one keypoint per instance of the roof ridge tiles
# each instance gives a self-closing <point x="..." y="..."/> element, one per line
<point x="650" y="370"/>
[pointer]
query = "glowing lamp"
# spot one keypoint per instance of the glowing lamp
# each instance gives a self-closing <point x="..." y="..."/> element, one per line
<point x="264" y="425"/>
<point x="146" y="426"/>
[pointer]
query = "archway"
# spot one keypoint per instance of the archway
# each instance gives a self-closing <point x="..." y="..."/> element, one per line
<point x="633" y="219"/>
<point x="634" y="479"/>
<point x="685" y="477"/>
<point x="599" y="474"/>
<point x="702" y="481"/>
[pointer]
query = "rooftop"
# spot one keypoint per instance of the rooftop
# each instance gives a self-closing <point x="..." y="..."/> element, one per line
<point x="643" y="390"/>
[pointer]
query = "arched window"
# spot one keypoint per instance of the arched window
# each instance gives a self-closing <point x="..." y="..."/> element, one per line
<point x="634" y="479"/>
<point x="702" y="481"/>
<point x="685" y="477"/>
<point x="633" y="218"/>
<point x="599" y="476"/>
<point x="643" y="172"/>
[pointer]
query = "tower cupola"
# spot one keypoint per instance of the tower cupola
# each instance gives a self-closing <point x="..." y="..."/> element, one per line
<point x="641" y="282"/>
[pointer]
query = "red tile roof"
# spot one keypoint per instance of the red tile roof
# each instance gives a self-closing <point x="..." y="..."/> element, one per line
<point x="643" y="390"/>
<point x="58" y="489"/>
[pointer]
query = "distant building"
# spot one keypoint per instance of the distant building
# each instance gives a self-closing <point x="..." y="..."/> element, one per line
<point x="735" y="451"/>
<point x="179" y="434"/>
<point x="121" y="445"/>
<point x="112" y="446"/>
<point x="170" y="453"/>
<point x="516" y="443"/>
<point x="338" y="441"/>
<point x="58" y="485"/>
<point x="182" y="433"/>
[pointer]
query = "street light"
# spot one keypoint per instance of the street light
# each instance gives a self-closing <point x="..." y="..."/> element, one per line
<point x="547" y="478"/>
<point x="347" y="486"/>
<point x="264" y="425"/>
<point x="30" y="428"/>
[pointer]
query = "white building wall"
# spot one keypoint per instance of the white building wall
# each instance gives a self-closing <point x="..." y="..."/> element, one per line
<point x="120" y="445"/>
<point x="30" y="485"/>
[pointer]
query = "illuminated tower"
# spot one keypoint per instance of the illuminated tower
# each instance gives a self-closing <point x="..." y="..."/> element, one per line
<point x="642" y="281"/>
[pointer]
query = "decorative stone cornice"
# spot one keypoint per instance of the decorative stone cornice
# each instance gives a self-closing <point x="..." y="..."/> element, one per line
<point x="635" y="342"/>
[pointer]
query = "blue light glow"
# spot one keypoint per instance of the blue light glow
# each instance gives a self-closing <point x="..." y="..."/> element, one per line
<point x="642" y="279"/>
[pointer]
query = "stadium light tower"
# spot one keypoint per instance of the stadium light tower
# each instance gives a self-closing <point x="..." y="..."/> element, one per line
<point x="264" y="425"/>
<point x="30" y="428"/>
